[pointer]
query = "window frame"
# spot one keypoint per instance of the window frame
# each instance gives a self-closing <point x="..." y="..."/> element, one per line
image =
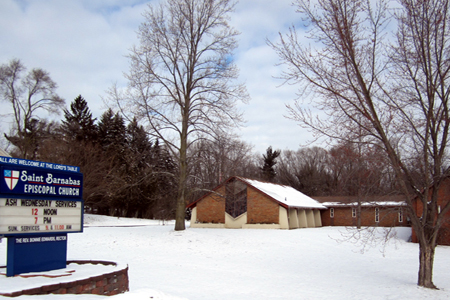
<point x="377" y="215"/>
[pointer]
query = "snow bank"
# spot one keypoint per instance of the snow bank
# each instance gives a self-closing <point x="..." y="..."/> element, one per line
<point x="99" y="220"/>
<point x="207" y="263"/>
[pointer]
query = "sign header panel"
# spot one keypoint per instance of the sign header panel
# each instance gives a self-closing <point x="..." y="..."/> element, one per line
<point x="34" y="182"/>
<point x="37" y="164"/>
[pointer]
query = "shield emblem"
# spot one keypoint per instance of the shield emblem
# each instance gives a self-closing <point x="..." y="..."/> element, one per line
<point x="11" y="178"/>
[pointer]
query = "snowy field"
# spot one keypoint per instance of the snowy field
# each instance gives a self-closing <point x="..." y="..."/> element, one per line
<point x="206" y="264"/>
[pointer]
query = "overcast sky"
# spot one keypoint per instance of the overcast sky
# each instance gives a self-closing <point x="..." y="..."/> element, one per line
<point x="83" y="45"/>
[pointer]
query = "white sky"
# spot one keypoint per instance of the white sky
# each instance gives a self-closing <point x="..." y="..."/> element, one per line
<point x="83" y="44"/>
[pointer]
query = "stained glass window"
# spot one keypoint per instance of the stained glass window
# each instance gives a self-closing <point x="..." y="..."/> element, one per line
<point x="236" y="198"/>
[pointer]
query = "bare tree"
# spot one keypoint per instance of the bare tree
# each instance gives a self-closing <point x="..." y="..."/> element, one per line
<point x="27" y="94"/>
<point x="359" y="170"/>
<point x="403" y="109"/>
<point x="214" y="161"/>
<point x="307" y="170"/>
<point x="181" y="78"/>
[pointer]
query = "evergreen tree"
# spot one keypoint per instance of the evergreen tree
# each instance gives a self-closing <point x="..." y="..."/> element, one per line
<point x="148" y="181"/>
<point x="167" y="186"/>
<point x="112" y="142"/>
<point x="268" y="171"/>
<point x="79" y="124"/>
<point x="138" y="187"/>
<point x="138" y="144"/>
<point x="112" y="132"/>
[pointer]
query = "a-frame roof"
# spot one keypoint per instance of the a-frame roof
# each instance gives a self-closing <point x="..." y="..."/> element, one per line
<point x="286" y="196"/>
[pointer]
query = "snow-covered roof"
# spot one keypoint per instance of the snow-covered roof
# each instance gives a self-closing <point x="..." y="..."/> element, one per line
<point x="285" y="195"/>
<point x="365" y="204"/>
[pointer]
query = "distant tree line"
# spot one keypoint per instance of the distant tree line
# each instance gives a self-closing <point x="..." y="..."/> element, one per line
<point x="126" y="173"/>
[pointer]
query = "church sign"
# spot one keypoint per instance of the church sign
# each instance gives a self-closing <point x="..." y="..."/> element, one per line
<point x="39" y="204"/>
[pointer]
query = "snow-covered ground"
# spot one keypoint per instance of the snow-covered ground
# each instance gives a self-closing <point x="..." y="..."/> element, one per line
<point x="196" y="264"/>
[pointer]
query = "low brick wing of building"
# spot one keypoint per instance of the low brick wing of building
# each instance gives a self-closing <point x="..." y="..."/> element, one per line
<point x="383" y="211"/>
<point x="443" y="237"/>
<point x="246" y="203"/>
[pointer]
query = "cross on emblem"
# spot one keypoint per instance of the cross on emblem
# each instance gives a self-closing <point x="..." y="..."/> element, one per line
<point x="11" y="178"/>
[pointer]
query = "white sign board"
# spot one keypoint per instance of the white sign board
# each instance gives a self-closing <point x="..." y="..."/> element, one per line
<point x="19" y="216"/>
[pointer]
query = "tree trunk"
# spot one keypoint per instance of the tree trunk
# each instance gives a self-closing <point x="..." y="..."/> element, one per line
<point x="181" y="199"/>
<point x="426" y="259"/>
<point x="180" y="211"/>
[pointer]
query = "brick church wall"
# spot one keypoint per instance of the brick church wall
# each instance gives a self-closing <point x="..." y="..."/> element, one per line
<point x="261" y="209"/>
<point x="211" y="209"/>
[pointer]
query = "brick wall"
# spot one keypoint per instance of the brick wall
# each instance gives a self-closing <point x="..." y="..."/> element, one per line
<point x="388" y="216"/>
<point x="107" y="284"/>
<point x="325" y="216"/>
<point x="211" y="209"/>
<point x="443" y="198"/>
<point x="261" y="209"/>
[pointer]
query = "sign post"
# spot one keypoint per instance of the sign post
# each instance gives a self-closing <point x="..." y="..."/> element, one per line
<point x="39" y="204"/>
